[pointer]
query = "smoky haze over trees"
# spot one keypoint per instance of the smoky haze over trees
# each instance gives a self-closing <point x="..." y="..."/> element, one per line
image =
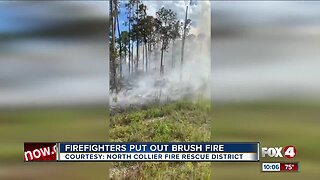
<point x="147" y="52"/>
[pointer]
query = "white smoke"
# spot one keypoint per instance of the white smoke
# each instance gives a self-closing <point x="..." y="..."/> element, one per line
<point x="189" y="81"/>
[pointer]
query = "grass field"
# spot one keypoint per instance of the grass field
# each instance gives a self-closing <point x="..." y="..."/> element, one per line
<point x="270" y="123"/>
<point x="176" y="122"/>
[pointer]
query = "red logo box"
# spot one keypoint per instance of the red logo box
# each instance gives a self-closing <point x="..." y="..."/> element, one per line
<point x="39" y="152"/>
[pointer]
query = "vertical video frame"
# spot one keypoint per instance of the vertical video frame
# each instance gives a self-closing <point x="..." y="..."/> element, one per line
<point x="159" y="91"/>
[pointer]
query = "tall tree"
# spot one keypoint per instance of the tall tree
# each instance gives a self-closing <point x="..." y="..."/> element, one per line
<point x="154" y="39"/>
<point x="131" y="18"/>
<point x="135" y="31"/>
<point x="125" y="41"/>
<point x="166" y="19"/>
<point x="129" y="9"/>
<point x="113" y="52"/>
<point x="146" y="30"/>
<point x="129" y="47"/>
<point x="185" y="29"/>
<point x="176" y="33"/>
<point x="140" y="12"/>
<point x="119" y="36"/>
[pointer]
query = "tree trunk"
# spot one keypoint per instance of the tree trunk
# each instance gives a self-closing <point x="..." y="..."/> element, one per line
<point x="114" y="48"/>
<point x="113" y="55"/>
<point x="111" y="47"/>
<point x="173" y="61"/>
<point x="143" y="54"/>
<point x="146" y="56"/>
<point x="137" y="64"/>
<point x="183" y="40"/>
<point x="120" y="44"/>
<point x="129" y="49"/>
<point x="129" y="63"/>
<point x="125" y="54"/>
<point x="161" y="61"/>
<point x="132" y="60"/>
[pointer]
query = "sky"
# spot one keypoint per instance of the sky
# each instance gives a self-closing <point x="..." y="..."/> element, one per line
<point x="153" y="6"/>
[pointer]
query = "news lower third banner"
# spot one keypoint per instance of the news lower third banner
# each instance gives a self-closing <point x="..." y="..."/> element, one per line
<point x="143" y="152"/>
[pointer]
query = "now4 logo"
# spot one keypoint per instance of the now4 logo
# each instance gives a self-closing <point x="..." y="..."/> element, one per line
<point x="288" y="151"/>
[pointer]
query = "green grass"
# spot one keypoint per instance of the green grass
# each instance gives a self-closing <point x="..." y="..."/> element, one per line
<point x="175" y="122"/>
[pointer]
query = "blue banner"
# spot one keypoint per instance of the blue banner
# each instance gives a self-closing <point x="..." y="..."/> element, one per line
<point x="149" y="147"/>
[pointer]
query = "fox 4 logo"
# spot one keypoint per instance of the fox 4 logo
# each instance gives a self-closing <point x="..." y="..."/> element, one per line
<point x="288" y="151"/>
